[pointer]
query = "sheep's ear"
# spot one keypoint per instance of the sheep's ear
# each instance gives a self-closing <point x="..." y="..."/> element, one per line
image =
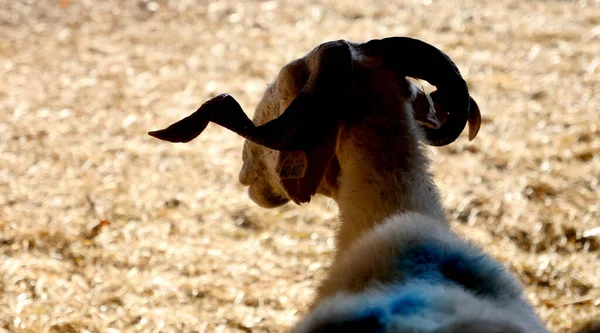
<point x="425" y="112"/>
<point x="432" y="115"/>
<point x="310" y="120"/>
<point x="301" y="171"/>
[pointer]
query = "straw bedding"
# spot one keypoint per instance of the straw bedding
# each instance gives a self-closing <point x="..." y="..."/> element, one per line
<point x="104" y="229"/>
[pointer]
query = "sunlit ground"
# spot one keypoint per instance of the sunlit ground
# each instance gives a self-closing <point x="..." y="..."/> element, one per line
<point x="183" y="249"/>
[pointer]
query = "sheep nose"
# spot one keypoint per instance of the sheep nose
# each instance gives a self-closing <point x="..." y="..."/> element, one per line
<point x="247" y="176"/>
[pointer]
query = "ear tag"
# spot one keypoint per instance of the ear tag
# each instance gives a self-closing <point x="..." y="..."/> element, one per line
<point x="293" y="165"/>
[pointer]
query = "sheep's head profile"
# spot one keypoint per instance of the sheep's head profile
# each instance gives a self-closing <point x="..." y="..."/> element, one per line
<point x="291" y="146"/>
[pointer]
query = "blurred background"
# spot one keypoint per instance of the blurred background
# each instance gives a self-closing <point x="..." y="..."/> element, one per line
<point x="104" y="229"/>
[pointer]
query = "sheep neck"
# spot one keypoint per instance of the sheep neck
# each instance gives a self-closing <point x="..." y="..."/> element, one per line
<point x="383" y="171"/>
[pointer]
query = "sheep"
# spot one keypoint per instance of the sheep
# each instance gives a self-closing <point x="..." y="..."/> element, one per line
<point x="411" y="273"/>
<point x="345" y="122"/>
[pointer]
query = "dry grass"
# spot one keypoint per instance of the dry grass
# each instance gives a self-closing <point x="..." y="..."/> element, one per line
<point x="185" y="250"/>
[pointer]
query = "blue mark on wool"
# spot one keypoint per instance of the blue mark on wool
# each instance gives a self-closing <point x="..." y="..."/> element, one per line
<point x="372" y="311"/>
<point x="408" y="303"/>
<point x="422" y="262"/>
<point x="439" y="264"/>
<point x="375" y="318"/>
<point x="371" y="319"/>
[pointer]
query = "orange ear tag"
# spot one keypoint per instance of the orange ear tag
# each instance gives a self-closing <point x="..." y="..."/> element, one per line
<point x="293" y="165"/>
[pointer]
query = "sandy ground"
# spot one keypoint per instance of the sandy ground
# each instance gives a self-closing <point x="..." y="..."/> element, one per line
<point x="182" y="248"/>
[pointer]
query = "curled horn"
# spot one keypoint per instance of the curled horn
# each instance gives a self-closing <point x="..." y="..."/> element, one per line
<point x="414" y="58"/>
<point x="222" y="110"/>
<point x="303" y="125"/>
